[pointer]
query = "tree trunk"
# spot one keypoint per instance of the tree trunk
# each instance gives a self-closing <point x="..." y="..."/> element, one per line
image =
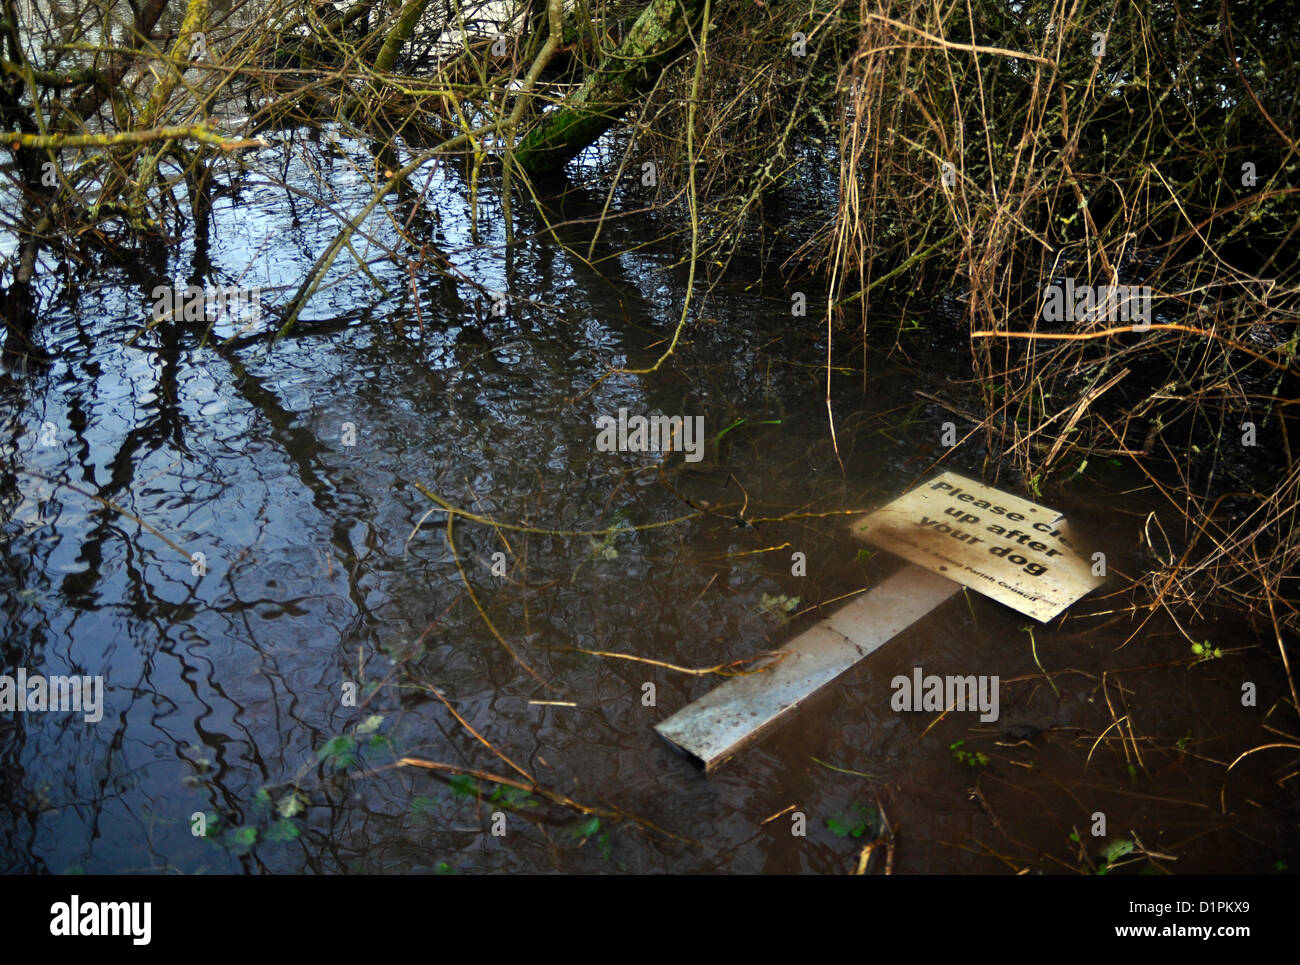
<point x="605" y="95"/>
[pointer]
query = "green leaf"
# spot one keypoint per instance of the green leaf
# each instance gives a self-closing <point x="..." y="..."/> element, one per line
<point x="513" y="797"/>
<point x="462" y="785"/>
<point x="1117" y="849"/>
<point x="283" y="831"/>
<point x="341" y="750"/>
<point x="585" y="828"/>
<point x="370" y="724"/>
<point x="778" y="604"/>
<point x="244" y="837"/>
<point x="292" y="803"/>
<point x="845" y="825"/>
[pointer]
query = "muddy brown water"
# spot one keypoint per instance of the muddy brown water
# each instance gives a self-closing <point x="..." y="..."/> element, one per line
<point x="295" y="469"/>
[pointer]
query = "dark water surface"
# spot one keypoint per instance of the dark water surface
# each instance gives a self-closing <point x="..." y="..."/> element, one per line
<point x="326" y="574"/>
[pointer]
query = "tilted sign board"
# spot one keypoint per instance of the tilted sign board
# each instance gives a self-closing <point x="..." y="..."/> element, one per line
<point x="954" y="532"/>
<point x="997" y="544"/>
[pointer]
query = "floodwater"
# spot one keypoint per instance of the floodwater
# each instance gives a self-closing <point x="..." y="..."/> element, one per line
<point x="257" y="700"/>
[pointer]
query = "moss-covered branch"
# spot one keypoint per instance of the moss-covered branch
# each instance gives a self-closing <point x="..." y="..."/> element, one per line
<point x="597" y="105"/>
<point x="400" y="33"/>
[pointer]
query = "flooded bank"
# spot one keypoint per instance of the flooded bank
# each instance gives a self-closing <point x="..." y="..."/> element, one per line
<point x="236" y="534"/>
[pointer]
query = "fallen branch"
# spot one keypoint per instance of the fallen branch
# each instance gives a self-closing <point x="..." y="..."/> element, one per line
<point x="721" y="669"/>
<point x="1123" y="329"/>
<point x="194" y="132"/>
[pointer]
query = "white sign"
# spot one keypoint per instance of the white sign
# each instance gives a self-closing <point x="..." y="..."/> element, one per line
<point x="1015" y="551"/>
